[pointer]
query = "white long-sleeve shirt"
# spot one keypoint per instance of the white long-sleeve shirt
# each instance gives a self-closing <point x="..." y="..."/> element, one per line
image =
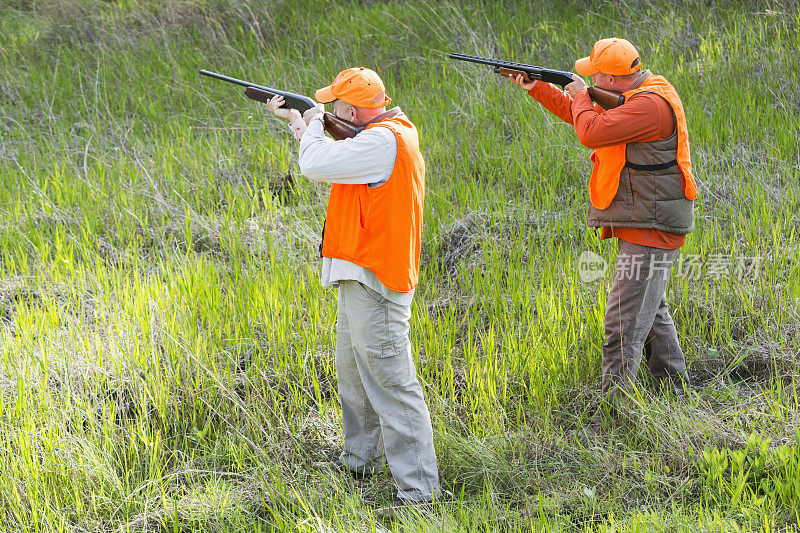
<point x="367" y="158"/>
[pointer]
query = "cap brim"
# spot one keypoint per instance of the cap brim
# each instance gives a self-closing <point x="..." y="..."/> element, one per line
<point x="584" y="67"/>
<point x="325" y="95"/>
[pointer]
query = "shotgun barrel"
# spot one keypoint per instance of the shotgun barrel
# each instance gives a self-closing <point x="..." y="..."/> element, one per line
<point x="606" y="99"/>
<point x="292" y="100"/>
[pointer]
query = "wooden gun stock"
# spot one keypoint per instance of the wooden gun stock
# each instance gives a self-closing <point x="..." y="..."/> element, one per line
<point x="339" y="128"/>
<point x="606" y="99"/>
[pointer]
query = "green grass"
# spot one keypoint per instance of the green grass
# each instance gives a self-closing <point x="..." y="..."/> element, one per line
<point x="167" y="348"/>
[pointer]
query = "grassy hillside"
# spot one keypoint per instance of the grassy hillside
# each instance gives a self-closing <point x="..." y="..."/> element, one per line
<point x="167" y="348"/>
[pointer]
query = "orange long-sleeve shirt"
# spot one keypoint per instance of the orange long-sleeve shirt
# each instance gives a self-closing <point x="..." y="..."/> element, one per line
<point x="645" y="117"/>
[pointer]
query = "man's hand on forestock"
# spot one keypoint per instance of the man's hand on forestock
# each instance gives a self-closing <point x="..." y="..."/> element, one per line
<point x="519" y="80"/>
<point x="577" y="85"/>
<point x="296" y="122"/>
<point x="276" y="106"/>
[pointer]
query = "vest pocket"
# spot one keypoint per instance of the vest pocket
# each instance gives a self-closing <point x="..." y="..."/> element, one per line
<point x="625" y="188"/>
<point x="354" y="224"/>
<point x="364" y="204"/>
<point x="675" y="215"/>
<point x="670" y="186"/>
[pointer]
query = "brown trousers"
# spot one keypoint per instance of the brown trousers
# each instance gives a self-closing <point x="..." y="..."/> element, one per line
<point x="637" y="320"/>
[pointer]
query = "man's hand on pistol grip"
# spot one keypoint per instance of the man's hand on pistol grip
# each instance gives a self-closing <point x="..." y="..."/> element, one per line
<point x="576" y="86"/>
<point x="318" y="109"/>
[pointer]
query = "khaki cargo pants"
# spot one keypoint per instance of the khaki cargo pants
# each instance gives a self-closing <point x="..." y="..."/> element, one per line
<point x="638" y="320"/>
<point x="383" y="410"/>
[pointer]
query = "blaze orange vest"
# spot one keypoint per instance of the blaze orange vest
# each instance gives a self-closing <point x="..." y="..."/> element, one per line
<point x="609" y="161"/>
<point x="380" y="228"/>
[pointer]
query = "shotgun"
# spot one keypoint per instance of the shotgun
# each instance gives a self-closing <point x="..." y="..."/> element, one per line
<point x="337" y="128"/>
<point x="603" y="98"/>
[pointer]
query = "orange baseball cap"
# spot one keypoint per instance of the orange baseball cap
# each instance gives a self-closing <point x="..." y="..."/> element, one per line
<point x="610" y="56"/>
<point x="358" y="86"/>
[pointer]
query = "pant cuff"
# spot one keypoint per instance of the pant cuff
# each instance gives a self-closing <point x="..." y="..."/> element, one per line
<point x="420" y="495"/>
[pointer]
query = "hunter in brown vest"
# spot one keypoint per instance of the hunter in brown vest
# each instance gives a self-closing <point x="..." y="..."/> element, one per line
<point x="641" y="192"/>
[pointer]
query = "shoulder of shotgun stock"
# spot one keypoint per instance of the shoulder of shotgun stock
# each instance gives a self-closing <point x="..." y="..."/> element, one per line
<point x="338" y="128"/>
<point x="605" y="99"/>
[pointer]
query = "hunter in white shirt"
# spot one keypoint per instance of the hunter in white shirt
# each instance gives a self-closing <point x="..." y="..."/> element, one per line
<point x="366" y="158"/>
<point x="384" y="415"/>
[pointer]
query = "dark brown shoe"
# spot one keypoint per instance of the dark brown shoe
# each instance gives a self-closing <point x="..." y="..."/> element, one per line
<point x="335" y="460"/>
<point x="604" y="418"/>
<point x="356" y="473"/>
<point x="400" y="506"/>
